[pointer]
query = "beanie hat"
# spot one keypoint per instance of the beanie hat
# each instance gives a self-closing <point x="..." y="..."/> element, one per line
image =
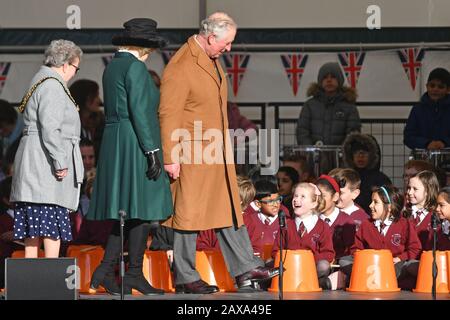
<point x="331" y="68"/>
<point x="440" y="74"/>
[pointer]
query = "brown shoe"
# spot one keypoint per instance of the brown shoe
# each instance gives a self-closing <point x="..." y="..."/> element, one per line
<point x="256" y="275"/>
<point x="196" y="287"/>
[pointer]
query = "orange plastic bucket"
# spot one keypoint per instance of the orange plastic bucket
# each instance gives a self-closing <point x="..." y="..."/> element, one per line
<point x="88" y="259"/>
<point x="212" y="269"/>
<point x="425" y="276"/>
<point x="156" y="270"/>
<point x="373" y="271"/>
<point x="300" y="274"/>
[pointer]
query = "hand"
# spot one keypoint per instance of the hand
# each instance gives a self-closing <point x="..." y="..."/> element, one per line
<point x="436" y="144"/>
<point x="169" y="254"/>
<point x="173" y="170"/>
<point x="61" y="174"/>
<point x="397" y="259"/>
<point x="154" y="166"/>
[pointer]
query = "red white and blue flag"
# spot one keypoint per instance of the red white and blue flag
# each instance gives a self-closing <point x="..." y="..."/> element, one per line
<point x="411" y="59"/>
<point x="235" y="66"/>
<point x="107" y="59"/>
<point x="352" y="63"/>
<point x="167" y="55"/>
<point x="4" y="69"/>
<point x="294" y="64"/>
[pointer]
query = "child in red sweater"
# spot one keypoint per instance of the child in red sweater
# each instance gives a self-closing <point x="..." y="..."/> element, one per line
<point x="342" y="226"/>
<point x="350" y="183"/>
<point x="443" y="210"/>
<point x="307" y="232"/>
<point x="423" y="188"/>
<point x="387" y="229"/>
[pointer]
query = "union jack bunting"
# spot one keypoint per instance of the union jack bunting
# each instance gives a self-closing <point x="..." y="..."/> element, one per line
<point x="235" y="66"/>
<point x="167" y="55"/>
<point x="4" y="69"/>
<point x="294" y="64"/>
<point x="352" y="63"/>
<point x="411" y="59"/>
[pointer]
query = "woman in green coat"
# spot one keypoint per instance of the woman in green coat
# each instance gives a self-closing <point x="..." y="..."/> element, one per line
<point x="129" y="166"/>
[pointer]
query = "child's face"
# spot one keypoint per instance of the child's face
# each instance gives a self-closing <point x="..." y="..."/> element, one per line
<point x="270" y="205"/>
<point x="330" y="200"/>
<point x="302" y="201"/>
<point x="436" y="89"/>
<point x="361" y="159"/>
<point x="285" y="184"/>
<point x="443" y="207"/>
<point x="330" y="84"/>
<point x="377" y="210"/>
<point x="346" y="197"/>
<point x="416" y="192"/>
<point x="409" y="172"/>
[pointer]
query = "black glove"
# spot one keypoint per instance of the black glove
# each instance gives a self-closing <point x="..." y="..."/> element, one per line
<point x="154" y="166"/>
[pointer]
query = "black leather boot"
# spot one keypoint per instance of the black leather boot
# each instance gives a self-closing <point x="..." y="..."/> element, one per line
<point x="134" y="278"/>
<point x="104" y="275"/>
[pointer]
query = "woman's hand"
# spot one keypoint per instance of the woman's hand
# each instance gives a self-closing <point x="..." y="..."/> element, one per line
<point x="397" y="259"/>
<point x="61" y="174"/>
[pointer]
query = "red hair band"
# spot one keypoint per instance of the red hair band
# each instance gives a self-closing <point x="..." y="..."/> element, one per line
<point x="333" y="182"/>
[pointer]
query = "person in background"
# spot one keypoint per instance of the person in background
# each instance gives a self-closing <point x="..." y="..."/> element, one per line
<point x="362" y="153"/>
<point x="87" y="96"/>
<point x="287" y="178"/>
<point x="427" y="126"/>
<point x="443" y="210"/>
<point x="330" y="114"/>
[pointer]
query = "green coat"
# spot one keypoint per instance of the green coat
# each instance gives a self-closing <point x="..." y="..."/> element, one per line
<point x="131" y="128"/>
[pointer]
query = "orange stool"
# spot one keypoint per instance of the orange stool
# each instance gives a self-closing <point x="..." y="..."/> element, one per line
<point x="425" y="277"/>
<point x="21" y="254"/>
<point x="373" y="271"/>
<point x="88" y="259"/>
<point x="156" y="270"/>
<point x="211" y="266"/>
<point x="300" y="274"/>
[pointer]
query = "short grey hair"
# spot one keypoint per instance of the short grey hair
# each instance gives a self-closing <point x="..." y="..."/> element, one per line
<point x="60" y="52"/>
<point x="218" y="23"/>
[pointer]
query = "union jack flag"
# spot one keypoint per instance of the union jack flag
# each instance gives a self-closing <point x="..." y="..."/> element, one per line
<point x="294" y="64"/>
<point x="4" y="69"/>
<point x="352" y="63"/>
<point x="167" y="55"/>
<point x="107" y="59"/>
<point x="411" y="59"/>
<point x="236" y="65"/>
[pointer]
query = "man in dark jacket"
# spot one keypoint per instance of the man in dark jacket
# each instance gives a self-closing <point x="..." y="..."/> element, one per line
<point x="428" y="125"/>
<point x="331" y="113"/>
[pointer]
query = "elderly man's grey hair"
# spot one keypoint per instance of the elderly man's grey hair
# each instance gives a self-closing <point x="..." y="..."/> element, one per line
<point x="60" y="52"/>
<point x="218" y="24"/>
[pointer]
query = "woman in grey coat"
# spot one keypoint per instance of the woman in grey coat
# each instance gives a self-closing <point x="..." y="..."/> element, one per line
<point x="48" y="168"/>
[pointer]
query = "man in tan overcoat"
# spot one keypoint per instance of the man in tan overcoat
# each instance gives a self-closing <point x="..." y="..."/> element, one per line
<point x="198" y="157"/>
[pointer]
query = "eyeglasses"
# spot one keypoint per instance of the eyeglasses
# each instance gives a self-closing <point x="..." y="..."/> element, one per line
<point x="272" y="202"/>
<point x="76" y="68"/>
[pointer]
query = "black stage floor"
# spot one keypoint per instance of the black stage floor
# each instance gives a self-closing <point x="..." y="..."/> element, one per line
<point x="325" y="295"/>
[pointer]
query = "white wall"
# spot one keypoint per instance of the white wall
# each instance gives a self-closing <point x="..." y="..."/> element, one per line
<point x="247" y="13"/>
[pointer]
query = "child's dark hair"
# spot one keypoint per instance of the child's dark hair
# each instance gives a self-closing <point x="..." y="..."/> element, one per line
<point x="390" y="195"/>
<point x="291" y="173"/>
<point x="445" y="192"/>
<point x="330" y="184"/>
<point x="346" y="176"/>
<point x="264" y="188"/>
<point x="431" y="184"/>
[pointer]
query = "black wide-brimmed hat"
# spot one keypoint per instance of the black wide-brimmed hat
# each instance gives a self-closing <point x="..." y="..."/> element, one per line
<point x="140" y="32"/>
